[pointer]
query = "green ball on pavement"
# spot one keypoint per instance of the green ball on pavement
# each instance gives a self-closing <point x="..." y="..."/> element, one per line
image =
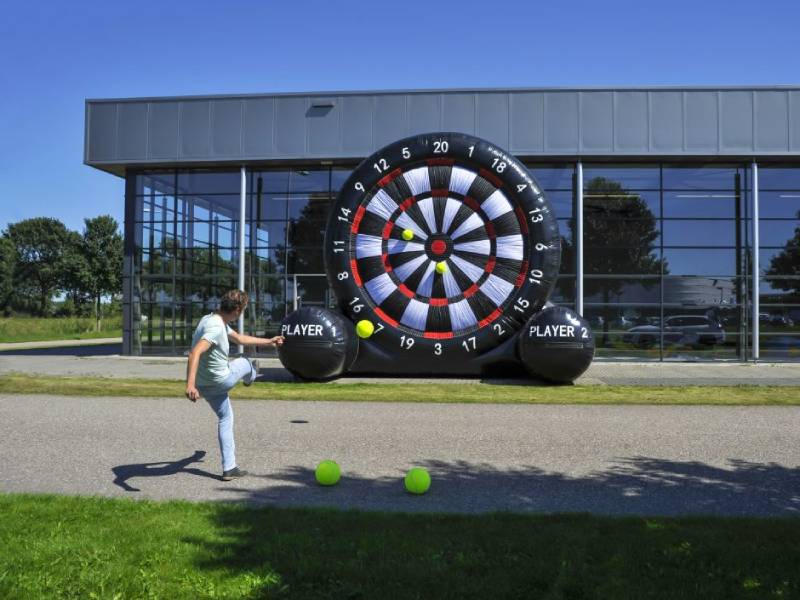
<point x="364" y="328"/>
<point x="408" y="235"/>
<point x="417" y="480"/>
<point x="441" y="268"/>
<point x="327" y="473"/>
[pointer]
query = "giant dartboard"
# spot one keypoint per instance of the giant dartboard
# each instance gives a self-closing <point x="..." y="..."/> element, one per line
<point x="446" y="244"/>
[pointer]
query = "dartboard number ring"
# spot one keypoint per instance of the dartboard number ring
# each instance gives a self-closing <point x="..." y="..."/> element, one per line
<point x="445" y="242"/>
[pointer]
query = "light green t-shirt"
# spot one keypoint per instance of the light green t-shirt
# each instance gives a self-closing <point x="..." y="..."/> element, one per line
<point x="213" y="367"/>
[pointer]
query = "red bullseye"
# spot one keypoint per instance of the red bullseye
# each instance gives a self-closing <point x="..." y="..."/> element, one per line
<point x="438" y="247"/>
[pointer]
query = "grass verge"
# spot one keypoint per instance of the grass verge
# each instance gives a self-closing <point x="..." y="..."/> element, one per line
<point x="59" y="547"/>
<point x="33" y="329"/>
<point x="433" y="392"/>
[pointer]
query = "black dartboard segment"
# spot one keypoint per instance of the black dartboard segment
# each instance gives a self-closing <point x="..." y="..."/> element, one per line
<point x="466" y="205"/>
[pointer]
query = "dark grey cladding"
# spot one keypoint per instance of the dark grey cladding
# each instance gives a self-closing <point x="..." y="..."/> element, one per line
<point x="622" y="122"/>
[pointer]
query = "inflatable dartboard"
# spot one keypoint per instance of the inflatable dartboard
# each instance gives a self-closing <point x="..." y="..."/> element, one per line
<point x="447" y="245"/>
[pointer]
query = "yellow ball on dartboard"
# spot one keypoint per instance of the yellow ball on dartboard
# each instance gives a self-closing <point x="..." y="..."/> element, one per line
<point x="365" y="328"/>
<point x="408" y="235"/>
<point x="441" y="268"/>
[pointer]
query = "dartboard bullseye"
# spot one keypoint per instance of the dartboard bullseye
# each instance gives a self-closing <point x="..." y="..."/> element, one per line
<point x="446" y="243"/>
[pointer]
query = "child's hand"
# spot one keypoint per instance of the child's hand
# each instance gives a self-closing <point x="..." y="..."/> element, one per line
<point x="277" y="340"/>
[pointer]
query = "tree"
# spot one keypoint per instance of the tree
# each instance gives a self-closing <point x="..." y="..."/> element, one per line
<point x="40" y="245"/>
<point x="7" y="263"/>
<point x="102" y="252"/>
<point x="786" y="265"/>
<point x="76" y="275"/>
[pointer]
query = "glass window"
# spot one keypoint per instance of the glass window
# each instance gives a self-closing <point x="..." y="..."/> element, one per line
<point x="620" y="290"/>
<point x="779" y="233"/>
<point x="779" y="178"/>
<point x="708" y="261"/>
<point x="209" y="182"/>
<point x="621" y="205"/>
<point x="696" y="291"/>
<point x="562" y="203"/>
<point x="553" y="177"/>
<point x="276" y="181"/>
<point x="699" y="178"/>
<point x="155" y="182"/>
<point x="718" y="205"/>
<point x="309" y="180"/>
<point x="779" y="205"/>
<point x="699" y="233"/>
<point x="309" y="206"/>
<point x="613" y="177"/>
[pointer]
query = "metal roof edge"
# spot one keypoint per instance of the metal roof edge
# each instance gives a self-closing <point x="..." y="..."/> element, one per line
<point x="644" y="88"/>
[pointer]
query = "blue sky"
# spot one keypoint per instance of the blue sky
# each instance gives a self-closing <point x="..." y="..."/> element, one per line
<point x="54" y="55"/>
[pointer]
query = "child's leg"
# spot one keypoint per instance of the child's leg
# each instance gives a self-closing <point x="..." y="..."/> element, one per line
<point x="241" y="369"/>
<point x="221" y="404"/>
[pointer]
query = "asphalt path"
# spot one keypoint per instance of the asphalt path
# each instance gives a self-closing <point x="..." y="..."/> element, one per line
<point x="645" y="460"/>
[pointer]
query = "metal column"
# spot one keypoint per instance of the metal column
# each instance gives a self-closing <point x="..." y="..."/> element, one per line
<point x="578" y="241"/>
<point x="242" y="204"/>
<point x="755" y="291"/>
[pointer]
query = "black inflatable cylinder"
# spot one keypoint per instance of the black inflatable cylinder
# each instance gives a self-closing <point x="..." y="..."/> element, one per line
<point x="556" y="344"/>
<point x="320" y="344"/>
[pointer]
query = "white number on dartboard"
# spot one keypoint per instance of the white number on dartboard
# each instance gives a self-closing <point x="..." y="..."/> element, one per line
<point x="355" y="305"/>
<point x="406" y="153"/>
<point x="381" y="166"/>
<point x="499" y="165"/>
<point x="437" y="349"/>
<point x="535" y="217"/>
<point x="471" y="150"/>
<point x="359" y="186"/>
<point x="536" y="276"/>
<point x="441" y="147"/>
<point x="540" y="247"/>
<point x="338" y="246"/>
<point x="499" y="329"/>
<point x="378" y="328"/>
<point x="343" y="275"/>
<point x="406" y="342"/>
<point x="470" y="341"/>
<point x="521" y="304"/>
<point x="584" y="333"/>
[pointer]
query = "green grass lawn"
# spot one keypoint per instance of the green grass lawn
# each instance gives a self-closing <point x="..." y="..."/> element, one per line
<point x="68" y="547"/>
<point x="429" y="392"/>
<point x="31" y="329"/>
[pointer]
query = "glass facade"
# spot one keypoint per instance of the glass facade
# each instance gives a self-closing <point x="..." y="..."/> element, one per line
<point x="667" y="253"/>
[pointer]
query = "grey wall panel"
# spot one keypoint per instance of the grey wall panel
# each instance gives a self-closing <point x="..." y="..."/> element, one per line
<point x="259" y="121"/>
<point x="701" y="126"/>
<point x="102" y="138"/>
<point x="323" y="120"/>
<point x="736" y="121"/>
<point x="458" y="113"/>
<point x="492" y="118"/>
<point x="357" y="125"/>
<point x="389" y="120"/>
<point x="666" y="122"/>
<point x="596" y="121"/>
<point x="740" y="122"/>
<point x="561" y="122"/>
<point x="226" y="128"/>
<point x="794" y="121"/>
<point x="195" y="129"/>
<point x="771" y="118"/>
<point x="132" y="128"/>
<point x="424" y="113"/>
<point x="631" y="126"/>
<point x="527" y="123"/>
<point x="162" y="130"/>
<point x="290" y="126"/>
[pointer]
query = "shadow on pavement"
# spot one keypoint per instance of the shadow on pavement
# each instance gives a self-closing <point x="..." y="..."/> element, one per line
<point x="98" y="350"/>
<point x="352" y="554"/>
<point x="633" y="486"/>
<point x="123" y="473"/>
